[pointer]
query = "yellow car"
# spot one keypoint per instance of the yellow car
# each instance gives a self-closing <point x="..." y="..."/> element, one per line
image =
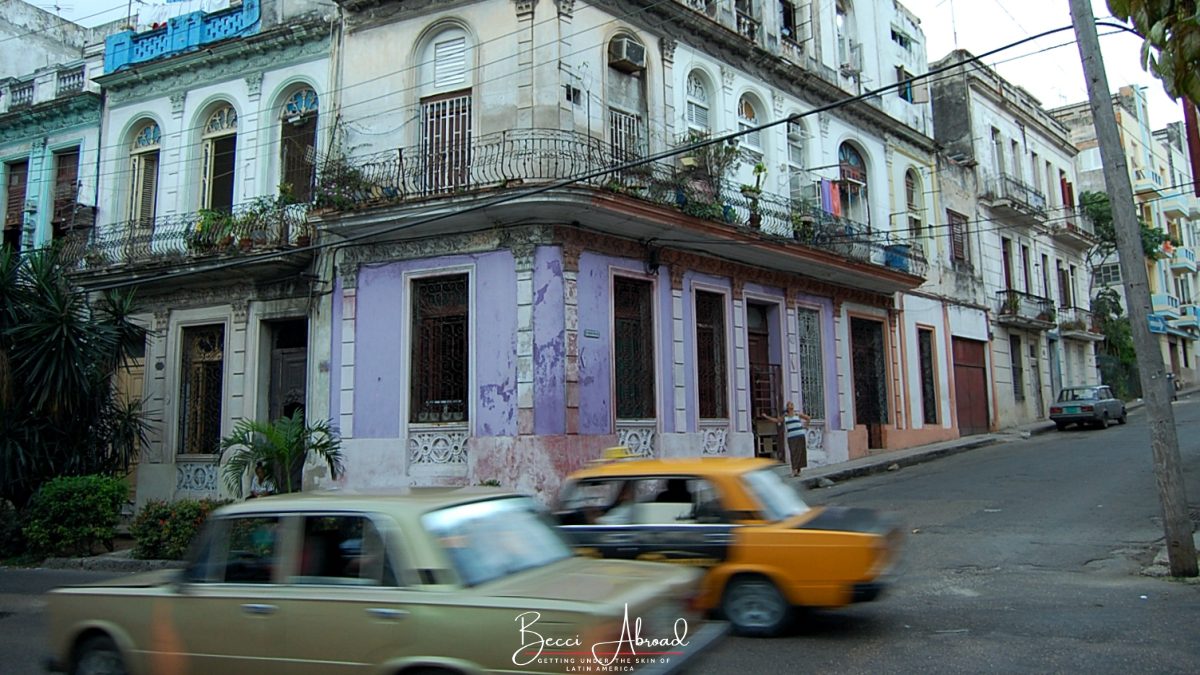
<point x="765" y="549"/>
<point x="446" y="581"/>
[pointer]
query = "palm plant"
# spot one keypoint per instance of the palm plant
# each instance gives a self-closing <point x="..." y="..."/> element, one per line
<point x="283" y="446"/>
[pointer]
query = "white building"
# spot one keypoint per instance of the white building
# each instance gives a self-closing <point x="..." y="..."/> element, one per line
<point x="1032" y="239"/>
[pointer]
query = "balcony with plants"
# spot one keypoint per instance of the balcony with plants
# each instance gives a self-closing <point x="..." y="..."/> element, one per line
<point x="1024" y="310"/>
<point x="262" y="226"/>
<point x="695" y="183"/>
<point x="1078" y="324"/>
<point x="1075" y="227"/>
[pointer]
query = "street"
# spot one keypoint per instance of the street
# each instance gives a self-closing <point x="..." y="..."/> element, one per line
<point x="1022" y="557"/>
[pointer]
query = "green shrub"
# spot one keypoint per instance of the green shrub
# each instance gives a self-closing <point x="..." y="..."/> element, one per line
<point x="70" y="515"/>
<point x="12" y="543"/>
<point x="164" y="530"/>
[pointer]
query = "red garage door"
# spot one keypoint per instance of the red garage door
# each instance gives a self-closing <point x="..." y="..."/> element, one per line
<point x="970" y="386"/>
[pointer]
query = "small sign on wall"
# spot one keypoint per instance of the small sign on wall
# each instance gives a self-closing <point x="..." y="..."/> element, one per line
<point x="591" y="333"/>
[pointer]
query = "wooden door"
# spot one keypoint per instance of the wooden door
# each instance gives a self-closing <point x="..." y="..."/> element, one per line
<point x="970" y="386"/>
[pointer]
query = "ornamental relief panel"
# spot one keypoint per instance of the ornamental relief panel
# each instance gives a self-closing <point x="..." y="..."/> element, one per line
<point x="438" y="446"/>
<point x="714" y="439"/>
<point x="639" y="436"/>
<point x="192" y="476"/>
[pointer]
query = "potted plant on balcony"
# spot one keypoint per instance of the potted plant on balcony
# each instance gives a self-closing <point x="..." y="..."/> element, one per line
<point x="753" y="193"/>
<point x="1046" y="315"/>
<point x="1012" y="303"/>
<point x="212" y="231"/>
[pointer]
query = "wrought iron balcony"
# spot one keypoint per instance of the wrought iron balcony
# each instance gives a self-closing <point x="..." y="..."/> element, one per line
<point x="249" y="229"/>
<point x="1022" y="310"/>
<point x="525" y="157"/>
<point x="1078" y="324"/>
<point x="1014" y="198"/>
<point x="1075" y="227"/>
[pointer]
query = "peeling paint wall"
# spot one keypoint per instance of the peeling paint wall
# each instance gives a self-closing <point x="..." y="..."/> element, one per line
<point x="549" y="343"/>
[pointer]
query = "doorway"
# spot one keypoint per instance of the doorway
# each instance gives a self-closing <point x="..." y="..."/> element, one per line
<point x="970" y="386"/>
<point x="766" y="380"/>
<point x="870" y="378"/>
<point x="289" y="367"/>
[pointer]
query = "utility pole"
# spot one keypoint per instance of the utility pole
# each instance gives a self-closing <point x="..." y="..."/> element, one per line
<point x="1164" y="442"/>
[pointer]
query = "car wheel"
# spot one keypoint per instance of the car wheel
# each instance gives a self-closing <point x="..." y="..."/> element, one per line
<point x="1124" y="417"/>
<point x="1104" y="421"/>
<point x="754" y="606"/>
<point x="98" y="656"/>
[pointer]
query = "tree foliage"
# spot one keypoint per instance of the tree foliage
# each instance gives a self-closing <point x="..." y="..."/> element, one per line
<point x="1170" y="30"/>
<point x="1097" y="206"/>
<point x="60" y="413"/>
<point x="283" y="446"/>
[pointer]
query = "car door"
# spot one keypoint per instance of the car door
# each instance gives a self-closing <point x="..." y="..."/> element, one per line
<point x="669" y="519"/>
<point x="223" y="617"/>
<point x="343" y="603"/>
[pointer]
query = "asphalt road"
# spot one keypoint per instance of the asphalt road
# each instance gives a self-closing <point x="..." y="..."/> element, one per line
<point x="1024" y="557"/>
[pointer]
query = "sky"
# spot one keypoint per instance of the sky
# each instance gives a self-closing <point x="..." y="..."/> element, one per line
<point x="1052" y="73"/>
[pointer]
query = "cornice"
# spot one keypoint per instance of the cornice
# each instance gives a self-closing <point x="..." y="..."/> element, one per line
<point x="79" y="109"/>
<point x="233" y="58"/>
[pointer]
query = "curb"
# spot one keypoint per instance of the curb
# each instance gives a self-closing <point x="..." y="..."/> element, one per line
<point x="838" y="475"/>
<point x="110" y="563"/>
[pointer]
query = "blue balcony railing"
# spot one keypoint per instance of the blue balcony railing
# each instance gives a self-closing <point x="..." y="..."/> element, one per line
<point x="181" y="34"/>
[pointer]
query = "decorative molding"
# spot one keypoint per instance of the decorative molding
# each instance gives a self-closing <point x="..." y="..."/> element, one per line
<point x="667" y="45"/>
<point x="349" y="274"/>
<point x="254" y="85"/>
<point x="777" y="103"/>
<point x="194" y="476"/>
<point x="571" y="252"/>
<point x="714" y="439"/>
<point x="638" y="435"/>
<point x="566" y="8"/>
<point x="524" y="8"/>
<point x="522" y="256"/>
<point x="677" y="272"/>
<point x="739" y="288"/>
<point x="823" y="123"/>
<point x="241" y="311"/>
<point x="162" y="318"/>
<point x="80" y="110"/>
<point x="815" y="437"/>
<point x="177" y="101"/>
<point x="727" y="74"/>
<point x="441" y="446"/>
<point x="470" y="242"/>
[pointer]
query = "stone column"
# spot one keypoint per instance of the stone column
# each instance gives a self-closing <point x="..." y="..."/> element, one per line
<point x="678" y="355"/>
<point x="346" y="393"/>
<point x="523" y="258"/>
<point x="741" y="358"/>
<point x="571" y="252"/>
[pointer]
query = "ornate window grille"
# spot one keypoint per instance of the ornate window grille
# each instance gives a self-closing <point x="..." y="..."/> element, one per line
<point x="710" y="355"/>
<point x="439" y="350"/>
<point x="812" y="367"/>
<point x="634" y="348"/>
<point x="201" y="389"/>
<point x="625" y="135"/>
<point x="929" y="400"/>
<point x="446" y="141"/>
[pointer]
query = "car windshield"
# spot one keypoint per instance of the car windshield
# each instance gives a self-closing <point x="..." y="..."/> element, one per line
<point x="778" y="499"/>
<point x="492" y="539"/>
<point x="1077" y="394"/>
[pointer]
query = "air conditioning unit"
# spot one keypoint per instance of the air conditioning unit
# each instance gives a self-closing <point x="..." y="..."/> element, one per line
<point x="626" y="54"/>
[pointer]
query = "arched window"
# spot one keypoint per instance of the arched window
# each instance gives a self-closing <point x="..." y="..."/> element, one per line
<point x="143" y="162"/>
<point x="625" y="93"/>
<point x="914" y="198"/>
<point x="447" y="64"/>
<point x="852" y="185"/>
<point x="698" y="103"/>
<point x="297" y="144"/>
<point x="218" y="159"/>
<point x="748" y="118"/>
<point x="847" y="37"/>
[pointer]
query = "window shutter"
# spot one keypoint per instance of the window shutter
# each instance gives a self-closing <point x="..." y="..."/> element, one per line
<point x="450" y="63"/>
<point x="66" y="172"/>
<point x="18" y="175"/>
<point x="147" y="188"/>
<point x="206" y="174"/>
<point x="697" y="115"/>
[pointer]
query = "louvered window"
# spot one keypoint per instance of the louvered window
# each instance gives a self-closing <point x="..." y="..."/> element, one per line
<point x="799" y="181"/>
<point x="66" y="177"/>
<point x="446" y="141"/>
<point x="450" y="63"/>
<point x="201" y="389"/>
<point x="697" y="103"/>
<point x="958" y="237"/>
<point x="440" y="352"/>
<point x="713" y="376"/>
<point x="144" y="172"/>
<point x="218" y="159"/>
<point x="633" y="347"/>
<point x="298" y="144"/>
<point x="16" y="175"/>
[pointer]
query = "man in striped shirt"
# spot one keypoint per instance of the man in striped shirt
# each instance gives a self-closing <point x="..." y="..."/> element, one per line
<point x="796" y="423"/>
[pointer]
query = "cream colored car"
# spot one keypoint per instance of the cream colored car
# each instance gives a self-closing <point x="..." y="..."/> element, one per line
<point x="445" y="581"/>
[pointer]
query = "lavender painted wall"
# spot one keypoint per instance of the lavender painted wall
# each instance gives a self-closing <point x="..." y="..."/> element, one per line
<point x="379" y="353"/>
<point x="664" y="322"/>
<point x="549" y="348"/>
